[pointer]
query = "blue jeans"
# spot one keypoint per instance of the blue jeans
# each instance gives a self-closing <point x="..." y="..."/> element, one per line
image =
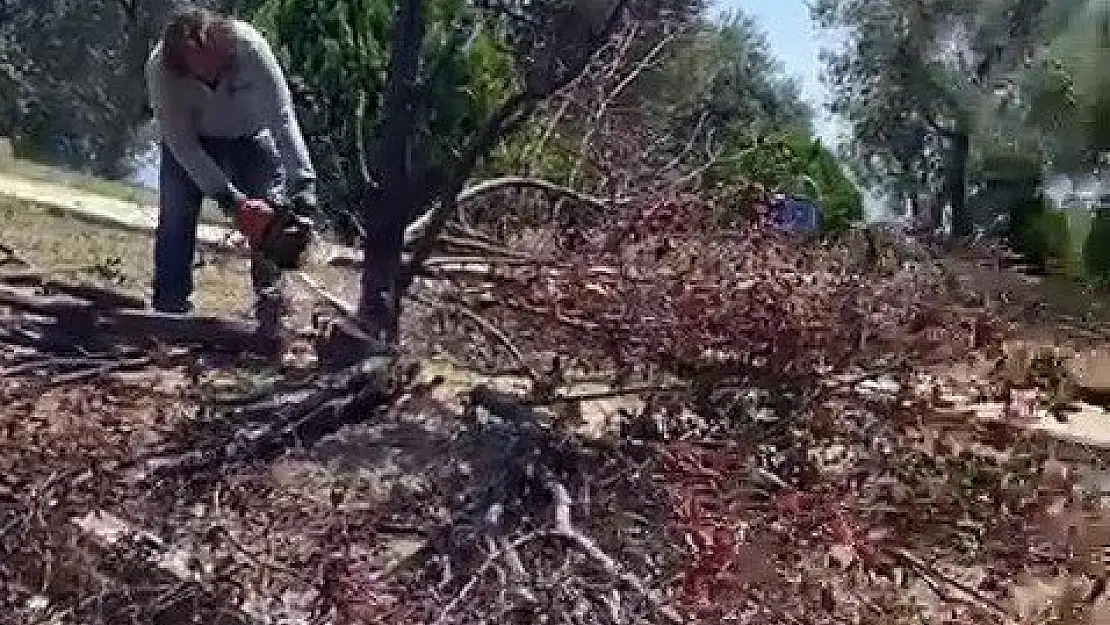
<point x="254" y="166"/>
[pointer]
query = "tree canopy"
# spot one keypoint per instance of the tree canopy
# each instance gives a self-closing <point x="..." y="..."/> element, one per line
<point x="945" y="96"/>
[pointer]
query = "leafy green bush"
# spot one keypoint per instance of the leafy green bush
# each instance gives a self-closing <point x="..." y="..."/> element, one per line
<point x="797" y="165"/>
<point x="1033" y="233"/>
<point x="1096" y="250"/>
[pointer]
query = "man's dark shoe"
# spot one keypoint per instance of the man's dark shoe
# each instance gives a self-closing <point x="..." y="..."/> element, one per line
<point x="178" y="308"/>
<point x="270" y="347"/>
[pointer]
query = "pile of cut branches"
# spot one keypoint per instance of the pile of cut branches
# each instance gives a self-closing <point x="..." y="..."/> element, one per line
<point x="785" y="456"/>
<point x="811" y="460"/>
<point x="666" y="289"/>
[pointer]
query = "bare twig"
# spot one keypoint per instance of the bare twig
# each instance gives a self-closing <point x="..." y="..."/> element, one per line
<point x="43" y="364"/>
<point x="482" y="323"/>
<point x="599" y="112"/>
<point x="689" y="147"/>
<point x="566" y="529"/>
<point x="418" y="229"/>
<point x="36" y="497"/>
<point x="974" y="597"/>
<point x="102" y="370"/>
<point x="618" y="392"/>
<point x="642" y="65"/>
<point x="549" y="129"/>
<point x="486" y="566"/>
<point x="360" y="141"/>
<point x="497" y="184"/>
<point x="770" y="479"/>
<point x="347" y="309"/>
<point x="472" y="233"/>
<point x="260" y="562"/>
<point x="580" y="324"/>
<point x="482" y="246"/>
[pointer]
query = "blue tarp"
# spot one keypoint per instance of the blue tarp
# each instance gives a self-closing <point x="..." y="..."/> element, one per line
<point x="794" y="215"/>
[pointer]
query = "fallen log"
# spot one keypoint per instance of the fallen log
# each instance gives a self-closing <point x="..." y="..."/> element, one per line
<point x="96" y="294"/>
<point x="104" y="312"/>
<point x="68" y="310"/>
<point x="42" y="336"/>
<point x="213" y="332"/>
<point x="301" y="417"/>
<point x="100" y="297"/>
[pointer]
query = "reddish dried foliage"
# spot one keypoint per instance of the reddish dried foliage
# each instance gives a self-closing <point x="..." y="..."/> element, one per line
<point x="669" y="287"/>
<point x="666" y="285"/>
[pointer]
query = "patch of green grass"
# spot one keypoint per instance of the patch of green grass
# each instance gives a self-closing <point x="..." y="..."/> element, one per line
<point x="116" y="189"/>
<point x="50" y="239"/>
<point x="47" y="238"/>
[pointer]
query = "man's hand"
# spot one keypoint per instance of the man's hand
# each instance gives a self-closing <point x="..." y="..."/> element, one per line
<point x="303" y="199"/>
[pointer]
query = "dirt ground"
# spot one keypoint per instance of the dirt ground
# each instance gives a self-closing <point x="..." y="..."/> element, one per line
<point x="49" y="239"/>
<point x="63" y="435"/>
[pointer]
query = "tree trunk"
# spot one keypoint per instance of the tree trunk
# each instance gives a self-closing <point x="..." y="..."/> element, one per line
<point x="404" y="194"/>
<point x="957" y="185"/>
<point x="380" y="290"/>
<point x="386" y="210"/>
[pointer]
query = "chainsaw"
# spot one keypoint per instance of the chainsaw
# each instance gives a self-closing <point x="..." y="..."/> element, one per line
<point x="279" y="234"/>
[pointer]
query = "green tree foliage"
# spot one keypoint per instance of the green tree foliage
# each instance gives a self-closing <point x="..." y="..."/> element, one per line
<point x="337" y="53"/>
<point x="713" y="99"/>
<point x="796" y="165"/>
<point x="551" y="43"/>
<point x="922" y="81"/>
<point x="725" y="80"/>
<point x="992" y="92"/>
<point x="72" y="89"/>
<point x="1068" y="88"/>
<point x="723" y="77"/>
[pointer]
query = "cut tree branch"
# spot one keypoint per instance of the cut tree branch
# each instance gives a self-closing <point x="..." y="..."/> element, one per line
<point x="972" y="595"/>
<point x="486" y="187"/>
<point x="512" y="113"/>
<point x="96" y="295"/>
<point x="594" y="123"/>
<point x="485" y="325"/>
<point x="566" y="529"/>
<point x="487" y="565"/>
<point x="419" y="227"/>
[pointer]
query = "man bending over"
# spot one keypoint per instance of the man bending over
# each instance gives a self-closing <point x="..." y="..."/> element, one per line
<point x="228" y="131"/>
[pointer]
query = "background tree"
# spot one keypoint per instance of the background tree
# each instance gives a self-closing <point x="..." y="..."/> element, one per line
<point x="401" y="120"/>
<point x="1067" y="96"/>
<point x="337" y="53"/>
<point x="710" y="108"/>
<point x="920" y="84"/>
<point x="71" y="87"/>
<point x="78" y="99"/>
<point x="551" y="44"/>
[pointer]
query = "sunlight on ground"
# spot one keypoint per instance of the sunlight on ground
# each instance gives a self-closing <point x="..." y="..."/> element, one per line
<point x="58" y="243"/>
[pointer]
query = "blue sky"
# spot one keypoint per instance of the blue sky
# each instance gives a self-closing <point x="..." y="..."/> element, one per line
<point x="797" y="43"/>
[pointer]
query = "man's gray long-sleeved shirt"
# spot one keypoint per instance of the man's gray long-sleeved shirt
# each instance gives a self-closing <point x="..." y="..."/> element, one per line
<point x="251" y="96"/>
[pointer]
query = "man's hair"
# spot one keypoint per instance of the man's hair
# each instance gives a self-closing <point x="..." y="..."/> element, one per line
<point x="188" y="28"/>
